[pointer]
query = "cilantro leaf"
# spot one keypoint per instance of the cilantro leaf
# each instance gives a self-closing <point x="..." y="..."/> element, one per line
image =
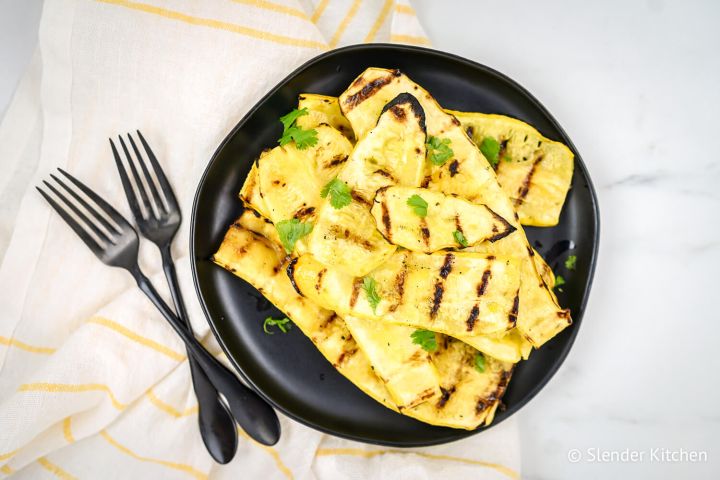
<point x="559" y="282"/>
<point x="480" y="362"/>
<point x="339" y="193"/>
<point x="290" y="118"/>
<point x="439" y="150"/>
<point x="302" y="138"/>
<point x="491" y="149"/>
<point x="425" y="338"/>
<point x="290" y="231"/>
<point x="282" y="323"/>
<point x="460" y="238"/>
<point x="418" y="205"/>
<point x="570" y="262"/>
<point x="372" y="296"/>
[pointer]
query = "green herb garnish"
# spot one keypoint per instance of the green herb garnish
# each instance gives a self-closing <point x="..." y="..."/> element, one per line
<point x="426" y="339"/>
<point x="559" y="281"/>
<point x="418" y="205"/>
<point x="570" y="262"/>
<point x="372" y="296"/>
<point x="480" y="362"/>
<point x="491" y="149"/>
<point x="460" y="238"/>
<point x="291" y="132"/>
<point x="290" y="231"/>
<point x="280" y="323"/>
<point x="339" y="193"/>
<point x="439" y="150"/>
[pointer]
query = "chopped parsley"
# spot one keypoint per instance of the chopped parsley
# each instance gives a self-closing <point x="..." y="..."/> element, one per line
<point x="480" y="362"/>
<point x="460" y="238"/>
<point x="559" y="282"/>
<point x="570" y="262"/>
<point x="339" y="193"/>
<point x="291" y="132"/>
<point x="418" y="205"/>
<point x="290" y="231"/>
<point x="282" y="323"/>
<point x="491" y="149"/>
<point x="439" y="150"/>
<point x="425" y="338"/>
<point x="370" y="292"/>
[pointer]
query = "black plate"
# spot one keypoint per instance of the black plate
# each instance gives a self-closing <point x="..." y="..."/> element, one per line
<point x="287" y="369"/>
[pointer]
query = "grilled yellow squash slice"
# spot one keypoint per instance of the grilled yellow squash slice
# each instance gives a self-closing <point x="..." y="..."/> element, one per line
<point x="250" y="192"/>
<point x="468" y="175"/>
<point x="290" y="179"/>
<point x="323" y="110"/>
<point x="534" y="172"/>
<point x="406" y="369"/>
<point x="455" y="293"/>
<point x="446" y="218"/>
<point x="394" y="151"/>
<point x="256" y="260"/>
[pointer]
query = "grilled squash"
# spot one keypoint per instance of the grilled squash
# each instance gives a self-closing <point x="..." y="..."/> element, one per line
<point x="455" y="293"/>
<point x="323" y="110"/>
<point x="468" y="175"/>
<point x="534" y="172"/>
<point x="446" y="218"/>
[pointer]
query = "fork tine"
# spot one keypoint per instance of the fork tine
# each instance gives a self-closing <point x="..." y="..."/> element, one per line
<point x="153" y="190"/>
<point x="138" y="182"/>
<point x="108" y="226"/>
<point x="79" y="213"/>
<point x="127" y="186"/>
<point x="89" y="241"/>
<point x="102" y="204"/>
<point x="160" y="174"/>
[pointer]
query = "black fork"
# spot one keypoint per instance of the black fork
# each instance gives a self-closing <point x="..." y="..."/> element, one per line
<point x="115" y="242"/>
<point x="159" y="222"/>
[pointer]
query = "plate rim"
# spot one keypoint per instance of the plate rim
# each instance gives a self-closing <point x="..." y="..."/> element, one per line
<point x="577" y="321"/>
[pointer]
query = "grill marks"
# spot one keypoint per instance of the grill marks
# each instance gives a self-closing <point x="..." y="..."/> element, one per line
<point x="355" y="291"/>
<point x="453" y="167"/>
<point x="318" y="282"/>
<point x="525" y="187"/>
<point x="472" y="318"/>
<point x="304" y="212"/>
<point x="367" y="91"/>
<point x="440" y="284"/>
<point x="445" y="396"/>
<point x="425" y="231"/>
<point x="512" y="316"/>
<point x="345" y="233"/>
<point x="336" y="160"/>
<point x="482" y="286"/>
<point x="481" y="289"/>
<point x="386" y="219"/>
<point x="345" y="355"/>
<point x="400" y="287"/>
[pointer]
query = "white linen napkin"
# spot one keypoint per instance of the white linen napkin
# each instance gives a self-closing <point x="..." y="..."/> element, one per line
<point x="93" y="382"/>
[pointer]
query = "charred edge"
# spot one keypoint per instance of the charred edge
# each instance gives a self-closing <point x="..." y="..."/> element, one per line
<point x="304" y="212"/>
<point x="453" y="167"/>
<point x="344" y="356"/>
<point x="337" y="160"/>
<point x="472" y="318"/>
<point x="525" y="187"/>
<point x="409" y="99"/>
<point x="400" y="286"/>
<point x="512" y="316"/>
<point x="446" y="392"/>
<point x="565" y="314"/>
<point x="437" y="298"/>
<point x="503" y="148"/>
<point x="482" y="287"/>
<point x="447" y="266"/>
<point x="291" y="275"/>
<point x="530" y="251"/>
<point x="367" y="91"/>
<point x="455" y="121"/>
<point x="470" y="131"/>
<point x="426" y="181"/>
<point x="355" y="291"/>
<point x="356" y="196"/>
<point x="318" y="282"/>
<point x="496" y="395"/>
<point x="507" y="228"/>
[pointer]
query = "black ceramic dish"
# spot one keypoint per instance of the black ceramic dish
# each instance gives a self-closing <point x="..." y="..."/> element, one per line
<point x="287" y="369"/>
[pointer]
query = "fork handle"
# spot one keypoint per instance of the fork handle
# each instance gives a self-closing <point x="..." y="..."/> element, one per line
<point x="254" y="414"/>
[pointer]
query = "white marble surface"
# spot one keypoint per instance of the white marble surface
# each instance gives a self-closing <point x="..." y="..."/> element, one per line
<point x="635" y="84"/>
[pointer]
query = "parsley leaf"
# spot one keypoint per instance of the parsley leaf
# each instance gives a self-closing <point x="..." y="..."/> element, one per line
<point x="480" y="362"/>
<point x="372" y="296"/>
<point x="460" y="238"/>
<point x="419" y="205"/>
<point x="439" y="150"/>
<point x="571" y="262"/>
<point x="425" y="338"/>
<point x="491" y="149"/>
<point x="280" y="323"/>
<point x="291" y="132"/>
<point x="302" y="138"/>
<point x="291" y="231"/>
<point x="339" y="193"/>
<point x="559" y="282"/>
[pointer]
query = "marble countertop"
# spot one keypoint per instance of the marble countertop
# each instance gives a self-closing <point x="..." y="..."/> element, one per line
<point x="636" y="86"/>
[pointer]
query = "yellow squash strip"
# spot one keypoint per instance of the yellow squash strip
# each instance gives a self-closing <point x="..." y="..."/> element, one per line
<point x="323" y="110"/>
